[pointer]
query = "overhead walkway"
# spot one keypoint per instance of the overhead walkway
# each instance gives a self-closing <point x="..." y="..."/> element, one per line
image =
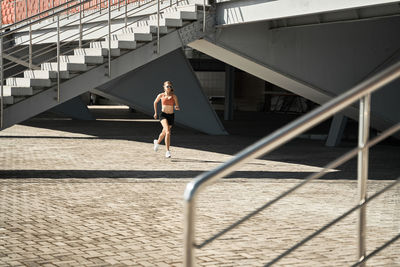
<point x="292" y="12"/>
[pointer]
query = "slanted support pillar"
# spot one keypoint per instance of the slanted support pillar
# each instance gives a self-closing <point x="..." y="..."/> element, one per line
<point x="229" y="89"/>
<point x="336" y="130"/>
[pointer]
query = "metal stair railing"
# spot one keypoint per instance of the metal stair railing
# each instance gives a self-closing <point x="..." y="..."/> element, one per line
<point x="361" y="92"/>
<point x="56" y="13"/>
<point x="74" y="39"/>
<point x="79" y="20"/>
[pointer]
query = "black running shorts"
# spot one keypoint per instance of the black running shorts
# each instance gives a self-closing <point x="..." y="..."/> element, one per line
<point x="169" y="117"/>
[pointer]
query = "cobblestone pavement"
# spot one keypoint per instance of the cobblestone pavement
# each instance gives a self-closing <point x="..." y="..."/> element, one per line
<point x="95" y="194"/>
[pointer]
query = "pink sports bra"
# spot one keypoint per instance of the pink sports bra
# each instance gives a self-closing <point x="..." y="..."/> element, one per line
<point x="167" y="102"/>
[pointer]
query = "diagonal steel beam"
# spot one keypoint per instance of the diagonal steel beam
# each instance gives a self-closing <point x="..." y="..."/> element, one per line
<point x="20" y="62"/>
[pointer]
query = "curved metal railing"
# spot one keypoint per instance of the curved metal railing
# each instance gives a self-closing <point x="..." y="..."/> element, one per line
<point x="361" y="92"/>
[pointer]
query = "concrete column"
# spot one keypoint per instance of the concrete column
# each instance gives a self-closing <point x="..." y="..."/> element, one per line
<point x="229" y="89"/>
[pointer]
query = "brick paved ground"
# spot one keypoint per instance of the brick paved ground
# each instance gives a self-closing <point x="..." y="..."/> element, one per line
<point x="96" y="194"/>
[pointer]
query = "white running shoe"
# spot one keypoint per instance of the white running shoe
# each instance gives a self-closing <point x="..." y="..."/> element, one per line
<point x="168" y="154"/>
<point x="155" y="145"/>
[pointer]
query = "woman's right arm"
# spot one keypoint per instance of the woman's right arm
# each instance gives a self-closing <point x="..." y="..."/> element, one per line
<point x="155" y="105"/>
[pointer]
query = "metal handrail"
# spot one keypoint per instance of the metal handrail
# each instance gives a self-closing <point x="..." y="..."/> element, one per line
<point x="28" y="21"/>
<point x="100" y="23"/>
<point x="87" y="30"/>
<point x="79" y="19"/>
<point x="360" y="92"/>
<point x="333" y="222"/>
<point x="80" y="28"/>
<point x="388" y="243"/>
<point x="45" y="49"/>
<point x="332" y="165"/>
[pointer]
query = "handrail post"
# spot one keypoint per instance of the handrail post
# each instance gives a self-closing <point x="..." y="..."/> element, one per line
<point x="362" y="172"/>
<point x="189" y="228"/>
<point x="26" y="9"/>
<point x="109" y="38"/>
<point x="80" y="24"/>
<point x="15" y="11"/>
<point x="1" y="72"/>
<point x="204" y="15"/>
<point x="126" y="13"/>
<point x="158" y="27"/>
<point x="2" y="79"/>
<point x="30" y="37"/>
<point x="68" y="9"/>
<point x="30" y="46"/>
<point x="58" y="58"/>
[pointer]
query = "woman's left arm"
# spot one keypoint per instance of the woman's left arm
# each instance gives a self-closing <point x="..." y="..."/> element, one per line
<point x="176" y="103"/>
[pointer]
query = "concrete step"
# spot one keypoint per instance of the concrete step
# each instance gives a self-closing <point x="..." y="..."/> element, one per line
<point x="138" y="37"/>
<point x="191" y="8"/>
<point x="8" y="100"/>
<point x="194" y="2"/>
<point x="151" y="29"/>
<point x="119" y="44"/>
<point x="82" y="59"/>
<point x="97" y="52"/>
<point x="183" y="15"/>
<point x="168" y="22"/>
<point x="17" y="91"/>
<point x="28" y="82"/>
<point x="64" y="66"/>
<point x="45" y="74"/>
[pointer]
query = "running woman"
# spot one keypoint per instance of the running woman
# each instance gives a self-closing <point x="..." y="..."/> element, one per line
<point x="167" y="116"/>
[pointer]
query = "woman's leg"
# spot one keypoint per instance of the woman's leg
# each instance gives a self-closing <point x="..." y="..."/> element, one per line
<point x="167" y="132"/>
<point x="168" y="140"/>
<point x="161" y="136"/>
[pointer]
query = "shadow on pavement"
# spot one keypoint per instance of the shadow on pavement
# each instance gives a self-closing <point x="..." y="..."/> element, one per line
<point x="176" y="174"/>
<point x="245" y="130"/>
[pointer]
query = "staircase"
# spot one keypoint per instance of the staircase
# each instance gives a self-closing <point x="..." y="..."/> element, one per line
<point x="88" y="64"/>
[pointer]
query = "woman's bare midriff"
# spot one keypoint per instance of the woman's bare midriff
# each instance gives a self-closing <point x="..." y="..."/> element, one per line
<point x="167" y="109"/>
